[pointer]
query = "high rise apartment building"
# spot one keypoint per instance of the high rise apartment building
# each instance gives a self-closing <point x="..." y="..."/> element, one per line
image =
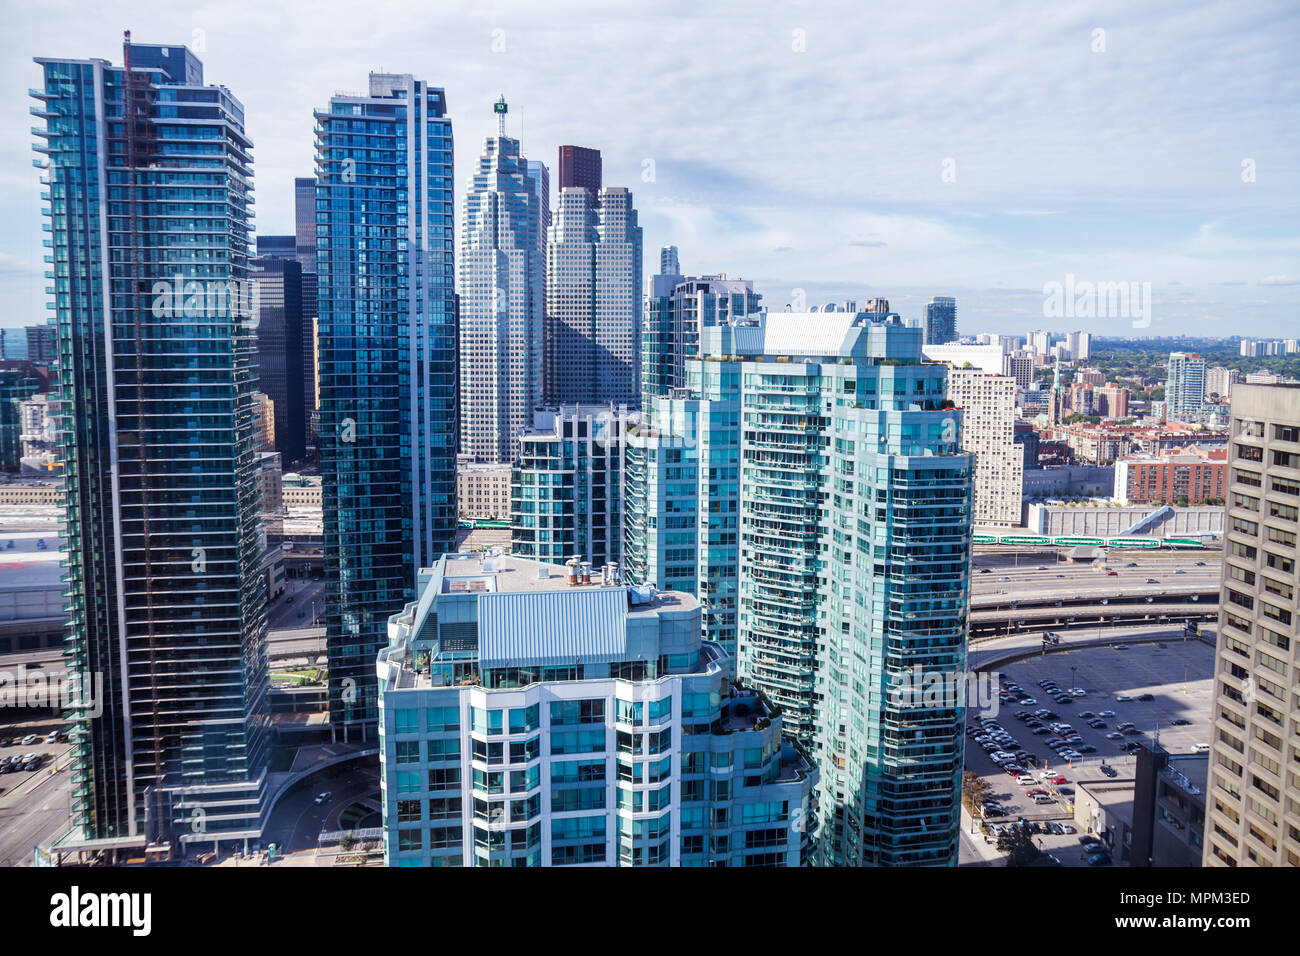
<point x="1020" y="367"/>
<point x="387" y="329"/>
<point x="566" y="487"/>
<point x="988" y="405"/>
<point x="941" y="320"/>
<point x="154" y="395"/>
<point x="1185" y="387"/>
<point x="1219" y="381"/>
<point x="679" y="307"/>
<point x="1253" y="804"/>
<point x="540" y="716"/>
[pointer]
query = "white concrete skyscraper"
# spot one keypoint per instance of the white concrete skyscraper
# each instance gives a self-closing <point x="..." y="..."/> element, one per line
<point x="502" y="296"/>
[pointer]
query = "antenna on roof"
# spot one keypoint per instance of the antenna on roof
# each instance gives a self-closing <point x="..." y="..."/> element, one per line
<point x="500" y="108"/>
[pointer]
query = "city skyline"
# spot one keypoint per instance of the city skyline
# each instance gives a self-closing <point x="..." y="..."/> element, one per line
<point x="1025" y="191"/>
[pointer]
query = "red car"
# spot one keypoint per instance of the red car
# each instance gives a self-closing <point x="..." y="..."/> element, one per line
<point x="1058" y="780"/>
<point x="1036" y="791"/>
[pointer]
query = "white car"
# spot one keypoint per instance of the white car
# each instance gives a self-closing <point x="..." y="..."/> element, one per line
<point x="1025" y="780"/>
<point x="1105" y="713"/>
<point x="322" y="797"/>
<point x="30" y="739"/>
<point x="1200" y="748"/>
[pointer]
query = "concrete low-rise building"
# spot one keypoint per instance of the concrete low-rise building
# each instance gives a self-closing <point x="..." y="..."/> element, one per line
<point x="540" y="716"/>
<point x="1102" y="519"/>
<point x="483" y="490"/>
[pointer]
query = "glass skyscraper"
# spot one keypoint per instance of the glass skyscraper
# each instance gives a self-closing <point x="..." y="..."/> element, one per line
<point x="388" y="380"/>
<point x="502" y="281"/>
<point x="941" y="320"/>
<point x="809" y="484"/>
<point x="148" y="177"/>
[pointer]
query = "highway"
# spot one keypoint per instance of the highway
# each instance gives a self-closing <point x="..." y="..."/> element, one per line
<point x="1041" y="589"/>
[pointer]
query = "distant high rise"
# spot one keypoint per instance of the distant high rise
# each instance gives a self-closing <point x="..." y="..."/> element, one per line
<point x="1080" y="345"/>
<point x="676" y="313"/>
<point x="42" y="344"/>
<point x="304" y="221"/>
<point x="580" y="166"/>
<point x="281" y="247"/>
<point x="298" y="348"/>
<point x="166" y="596"/>
<point x="1220" y="381"/>
<point x="593" y="299"/>
<point x="387" y="366"/>
<point x="668" y="264"/>
<point x="566" y="489"/>
<point x="1021" y="368"/>
<point x="280" y="349"/>
<point x="13" y="345"/>
<point x="941" y="320"/>
<point x="1039" y="342"/>
<point x="502" y="279"/>
<point x="1185" y="387"/>
<point x="1253" y="779"/>
<point x="988" y="404"/>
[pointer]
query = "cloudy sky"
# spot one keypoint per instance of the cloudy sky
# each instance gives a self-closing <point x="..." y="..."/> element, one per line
<point x="841" y="149"/>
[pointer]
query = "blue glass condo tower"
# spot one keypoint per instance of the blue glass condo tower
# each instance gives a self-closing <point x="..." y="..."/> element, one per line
<point x="149" y="179"/>
<point x="388" y="382"/>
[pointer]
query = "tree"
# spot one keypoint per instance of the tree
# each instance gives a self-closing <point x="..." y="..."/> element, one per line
<point x="974" y="791"/>
<point x="1019" y="847"/>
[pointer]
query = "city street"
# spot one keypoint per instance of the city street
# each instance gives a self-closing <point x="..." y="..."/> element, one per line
<point x="301" y="605"/>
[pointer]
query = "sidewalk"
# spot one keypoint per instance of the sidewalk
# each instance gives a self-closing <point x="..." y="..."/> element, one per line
<point x="987" y="852"/>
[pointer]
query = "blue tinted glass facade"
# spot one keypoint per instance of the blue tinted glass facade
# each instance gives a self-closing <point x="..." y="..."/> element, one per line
<point x="387" y="311"/>
<point x="147" y="260"/>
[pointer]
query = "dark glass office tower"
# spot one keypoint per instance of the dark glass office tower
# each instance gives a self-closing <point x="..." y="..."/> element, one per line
<point x="281" y="344"/>
<point x="387" y="368"/>
<point x="580" y="166"/>
<point x="149" y="182"/>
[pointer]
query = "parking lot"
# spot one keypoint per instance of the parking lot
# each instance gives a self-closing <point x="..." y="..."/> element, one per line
<point x="1176" y="678"/>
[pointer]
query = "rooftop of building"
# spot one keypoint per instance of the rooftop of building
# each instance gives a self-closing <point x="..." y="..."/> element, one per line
<point x="1187" y="454"/>
<point x="25" y="565"/>
<point x="1189" y="772"/>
